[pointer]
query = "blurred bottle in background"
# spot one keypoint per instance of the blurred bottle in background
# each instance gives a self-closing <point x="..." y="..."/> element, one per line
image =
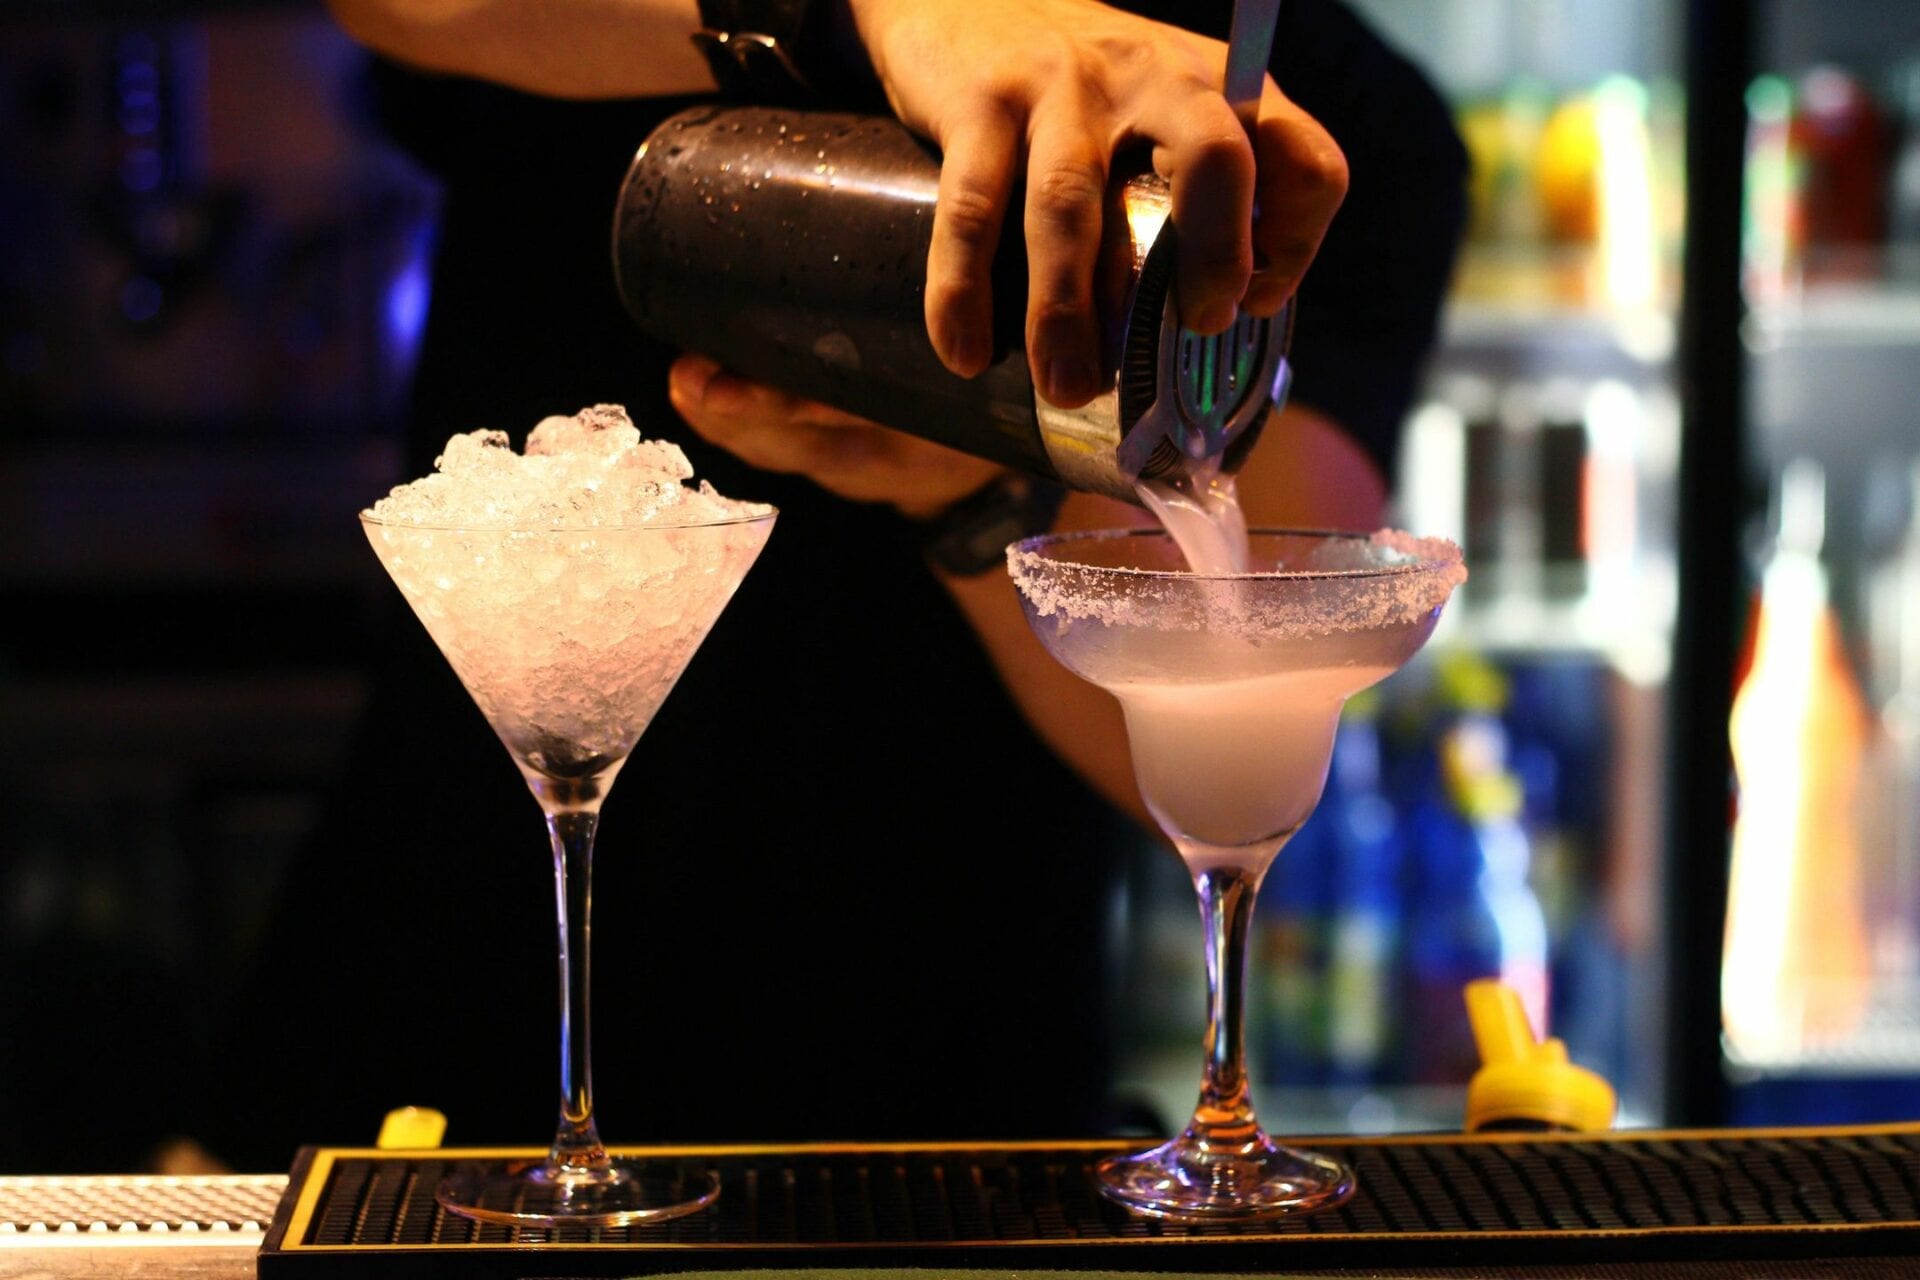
<point x="1567" y="759"/>
<point x="1843" y="135"/>
<point x="1773" y="234"/>
<point x="1363" y="951"/>
<point x="1828" y="199"/>
<point x="1472" y="912"/>
<point x="1506" y="219"/>
<point x="1628" y="274"/>
<point x="1796" y="971"/>
<point x="1572" y="206"/>
<point x="1566" y="483"/>
<point x="1560" y="492"/>
<point x="1890" y="831"/>
<point x="1294" y="922"/>
<point x="1903" y="204"/>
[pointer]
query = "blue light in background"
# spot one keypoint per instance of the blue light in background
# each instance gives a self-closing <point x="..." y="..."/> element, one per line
<point x="142" y="170"/>
<point x="140" y="87"/>
<point x="141" y="299"/>
<point x="404" y="313"/>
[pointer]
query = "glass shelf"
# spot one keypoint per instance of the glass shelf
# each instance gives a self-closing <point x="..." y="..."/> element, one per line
<point x="1879" y="314"/>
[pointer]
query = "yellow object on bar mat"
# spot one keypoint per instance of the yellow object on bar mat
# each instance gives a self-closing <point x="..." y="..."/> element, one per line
<point x="411" y="1129"/>
<point x="1525" y="1083"/>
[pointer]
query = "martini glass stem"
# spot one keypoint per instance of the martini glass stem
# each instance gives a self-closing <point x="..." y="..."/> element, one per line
<point x="576" y="1141"/>
<point x="1225" y="1113"/>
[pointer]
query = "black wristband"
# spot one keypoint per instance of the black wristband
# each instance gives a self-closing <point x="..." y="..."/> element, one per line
<point x="971" y="537"/>
<point x="783" y="52"/>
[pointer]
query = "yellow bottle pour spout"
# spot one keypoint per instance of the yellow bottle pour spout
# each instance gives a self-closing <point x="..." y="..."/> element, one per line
<point x="1525" y="1083"/>
<point x="411" y="1129"/>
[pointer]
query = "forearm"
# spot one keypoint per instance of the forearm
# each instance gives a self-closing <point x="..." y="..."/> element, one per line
<point x="1078" y="721"/>
<point x="561" y="48"/>
<point x="1305" y="473"/>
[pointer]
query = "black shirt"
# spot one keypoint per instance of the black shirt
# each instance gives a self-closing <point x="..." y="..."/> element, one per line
<point x="841" y="890"/>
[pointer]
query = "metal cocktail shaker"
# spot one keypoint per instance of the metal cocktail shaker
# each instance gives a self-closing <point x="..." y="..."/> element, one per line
<point x="791" y="247"/>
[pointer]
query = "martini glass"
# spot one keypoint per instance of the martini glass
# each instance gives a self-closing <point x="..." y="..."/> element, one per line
<point x="1231" y="686"/>
<point x="569" y="639"/>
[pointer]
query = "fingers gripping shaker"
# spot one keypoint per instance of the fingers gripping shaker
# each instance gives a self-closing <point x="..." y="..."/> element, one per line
<point x="791" y="247"/>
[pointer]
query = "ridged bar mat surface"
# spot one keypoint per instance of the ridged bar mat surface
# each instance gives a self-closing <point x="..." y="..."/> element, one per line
<point x="1425" y="1202"/>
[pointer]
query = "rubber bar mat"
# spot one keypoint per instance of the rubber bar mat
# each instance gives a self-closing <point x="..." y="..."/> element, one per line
<point x="1476" y="1201"/>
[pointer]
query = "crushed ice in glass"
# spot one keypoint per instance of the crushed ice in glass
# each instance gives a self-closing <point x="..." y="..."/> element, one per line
<point x="590" y="470"/>
<point x="568" y="585"/>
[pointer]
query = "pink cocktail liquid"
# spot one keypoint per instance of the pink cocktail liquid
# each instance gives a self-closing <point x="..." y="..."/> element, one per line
<point x="1231" y="767"/>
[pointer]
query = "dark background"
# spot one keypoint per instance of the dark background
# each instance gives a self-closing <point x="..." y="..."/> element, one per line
<point x="212" y="277"/>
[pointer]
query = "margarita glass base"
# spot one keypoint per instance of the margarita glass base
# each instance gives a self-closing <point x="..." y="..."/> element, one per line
<point x="1193" y="1180"/>
<point x="538" y="1193"/>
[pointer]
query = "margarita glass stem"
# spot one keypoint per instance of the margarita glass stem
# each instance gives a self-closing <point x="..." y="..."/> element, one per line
<point x="577" y="1148"/>
<point x="1224" y="1116"/>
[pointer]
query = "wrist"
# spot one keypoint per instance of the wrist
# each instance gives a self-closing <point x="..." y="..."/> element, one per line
<point x="970" y="537"/>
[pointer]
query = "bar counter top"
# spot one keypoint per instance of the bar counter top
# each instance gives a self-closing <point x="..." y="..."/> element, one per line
<point x="212" y="1228"/>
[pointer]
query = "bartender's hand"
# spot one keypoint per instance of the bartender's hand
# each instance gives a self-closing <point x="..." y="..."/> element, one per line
<point x="1052" y="89"/>
<point x="1047" y="90"/>
<point x="849" y="456"/>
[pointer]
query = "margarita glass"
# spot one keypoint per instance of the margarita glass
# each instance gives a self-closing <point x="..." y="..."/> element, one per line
<point x="569" y="639"/>
<point x="1231" y="685"/>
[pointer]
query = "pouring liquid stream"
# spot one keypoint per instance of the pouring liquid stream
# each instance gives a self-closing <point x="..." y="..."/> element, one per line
<point x="1200" y="510"/>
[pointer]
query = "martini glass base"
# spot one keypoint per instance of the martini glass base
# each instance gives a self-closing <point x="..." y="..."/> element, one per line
<point x="1187" y="1180"/>
<point x="534" y="1193"/>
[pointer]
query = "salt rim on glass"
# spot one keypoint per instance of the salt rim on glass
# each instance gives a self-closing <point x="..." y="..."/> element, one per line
<point x="1421" y="577"/>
